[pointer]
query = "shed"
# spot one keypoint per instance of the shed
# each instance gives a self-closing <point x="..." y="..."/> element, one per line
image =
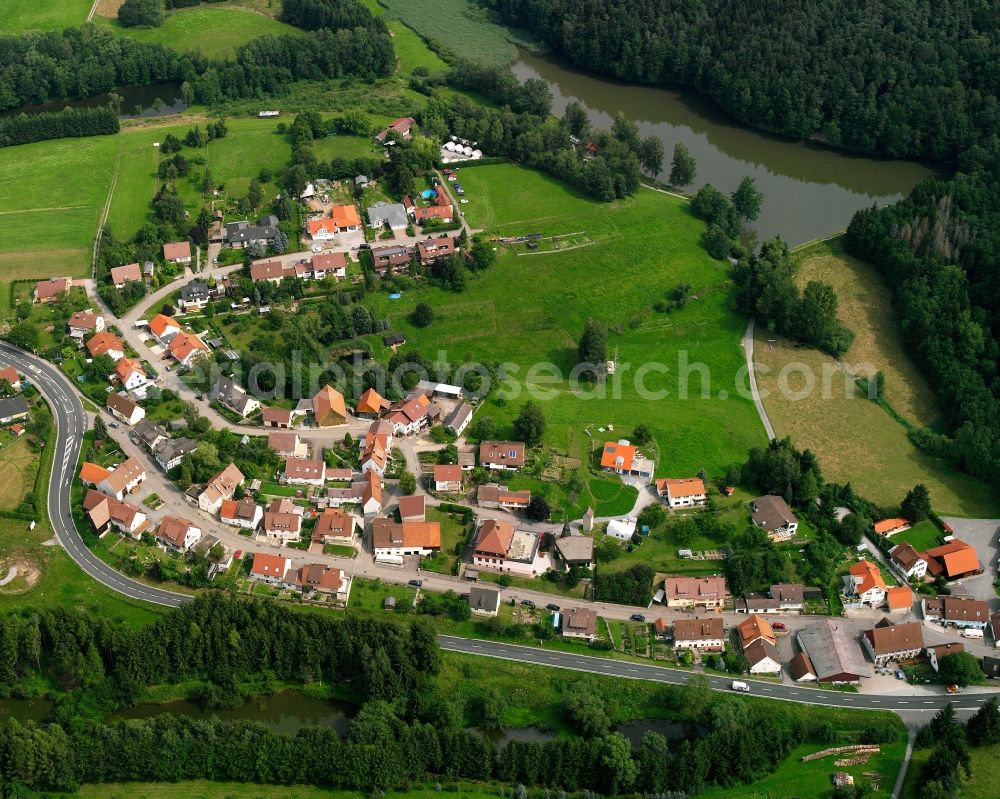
<point x="389" y="603"/>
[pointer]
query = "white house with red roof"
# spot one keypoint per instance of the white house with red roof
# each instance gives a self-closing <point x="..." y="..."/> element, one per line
<point x="163" y="328"/>
<point x="864" y="582"/>
<point x="685" y="492"/>
<point x="270" y="568"/>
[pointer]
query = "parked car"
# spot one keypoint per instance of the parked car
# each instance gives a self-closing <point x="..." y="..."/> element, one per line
<point x="739" y="685"/>
<point x="199" y="397"/>
<point x="900" y="675"/>
<point x="952" y="689"/>
<point x="416" y="583"/>
<point x="527" y="603"/>
<point x="552" y="606"/>
<point x="778" y="625"/>
<point x="114" y="425"/>
<point x="637" y="617"/>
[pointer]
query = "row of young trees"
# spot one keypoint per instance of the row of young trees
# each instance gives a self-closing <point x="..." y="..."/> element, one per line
<point x="80" y="62"/>
<point x="68" y="123"/>
<point x="910" y="78"/>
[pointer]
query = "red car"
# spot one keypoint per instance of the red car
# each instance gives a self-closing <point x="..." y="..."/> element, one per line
<point x="778" y="625"/>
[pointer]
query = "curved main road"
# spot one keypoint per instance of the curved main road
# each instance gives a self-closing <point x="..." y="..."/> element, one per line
<point x="71" y="424"/>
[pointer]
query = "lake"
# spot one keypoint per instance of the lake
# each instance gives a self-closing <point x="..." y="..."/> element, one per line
<point x="155" y="100"/>
<point x="286" y="712"/>
<point x="809" y="191"/>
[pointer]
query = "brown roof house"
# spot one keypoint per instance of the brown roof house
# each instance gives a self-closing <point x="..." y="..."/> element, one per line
<point x="177" y="534"/>
<point x="282" y="521"/>
<point x="501" y="547"/>
<point x="694" y="592"/>
<point x="962" y="612"/>
<point x="908" y="562"/>
<point x="334" y="526"/>
<point x="220" y="488"/>
<point x="447" y="478"/>
<point x="501" y="455"/>
<point x="893" y="642"/>
<point x="702" y="634"/>
<point x="494" y="495"/>
<point x="47" y="291"/>
<point x="773" y="514"/>
<point x="580" y="623"/>
<point x="412" y="509"/>
<point x="124" y="409"/>
<point x="124" y="480"/>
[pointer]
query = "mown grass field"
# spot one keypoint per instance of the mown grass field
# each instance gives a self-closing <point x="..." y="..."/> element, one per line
<point x="923" y="535"/>
<point x="43" y="15"/>
<point x="527" y="310"/>
<point x="18" y="467"/>
<point x="214" y="30"/>
<point x="865" y="306"/>
<point x="855" y="439"/>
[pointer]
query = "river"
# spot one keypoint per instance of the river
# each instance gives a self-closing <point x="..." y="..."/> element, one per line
<point x="285" y="712"/>
<point x="155" y="100"/>
<point x="809" y="191"/>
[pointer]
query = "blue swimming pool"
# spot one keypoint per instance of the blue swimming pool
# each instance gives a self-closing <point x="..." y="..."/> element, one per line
<point x="428" y="193"/>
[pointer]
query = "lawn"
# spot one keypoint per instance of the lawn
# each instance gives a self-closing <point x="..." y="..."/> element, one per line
<point x="48" y="15"/>
<point x="923" y="535"/>
<point x="368" y="595"/>
<point x="981" y="785"/>
<point x="865" y="306"/>
<point x="453" y="533"/>
<point x="530" y="310"/>
<point x="216" y="31"/>
<point x="606" y="494"/>
<point x="855" y="440"/>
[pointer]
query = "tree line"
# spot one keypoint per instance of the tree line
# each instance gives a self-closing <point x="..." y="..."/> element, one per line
<point x="936" y="250"/>
<point x="68" y="123"/>
<point x="910" y="78"/>
<point x="38" y="67"/>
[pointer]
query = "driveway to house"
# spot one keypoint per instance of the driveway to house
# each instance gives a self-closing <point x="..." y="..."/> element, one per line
<point x="748" y="353"/>
<point x="982" y="534"/>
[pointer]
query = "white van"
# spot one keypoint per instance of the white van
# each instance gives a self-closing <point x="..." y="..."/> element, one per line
<point x="740" y="686"/>
<point x="971" y="632"/>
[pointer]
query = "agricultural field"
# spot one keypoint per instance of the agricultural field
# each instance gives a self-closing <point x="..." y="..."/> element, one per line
<point x="455" y="25"/>
<point x="54" y="192"/>
<point x="865" y="306"/>
<point x="855" y="439"/>
<point x="18" y="467"/>
<point x="526" y="310"/>
<point x="43" y="15"/>
<point x="214" y="30"/>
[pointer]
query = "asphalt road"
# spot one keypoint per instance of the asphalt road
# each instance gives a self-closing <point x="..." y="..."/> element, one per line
<point x="71" y="424"/>
<point x="767" y="690"/>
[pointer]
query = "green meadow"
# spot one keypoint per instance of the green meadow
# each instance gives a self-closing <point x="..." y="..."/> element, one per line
<point x="216" y="31"/>
<point x="42" y="15"/>
<point x="532" y="308"/>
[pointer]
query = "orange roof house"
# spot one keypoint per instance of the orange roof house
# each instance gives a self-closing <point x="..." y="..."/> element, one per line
<point x="9" y="373"/>
<point x="371" y="403"/>
<point x="345" y="217"/>
<point x="128" y="366"/>
<point x="890" y="526"/>
<point x="161" y="324"/>
<point x="754" y="628"/>
<point x="899" y="598"/>
<point x="617" y="457"/>
<point x="92" y="473"/>
<point x="495" y="538"/>
<point x="105" y="343"/>
<point x="329" y="407"/>
<point x="956" y="559"/>
<point x="321" y="228"/>
<point x="120" y="275"/>
<point x="184" y="345"/>
<point x="866" y="576"/>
